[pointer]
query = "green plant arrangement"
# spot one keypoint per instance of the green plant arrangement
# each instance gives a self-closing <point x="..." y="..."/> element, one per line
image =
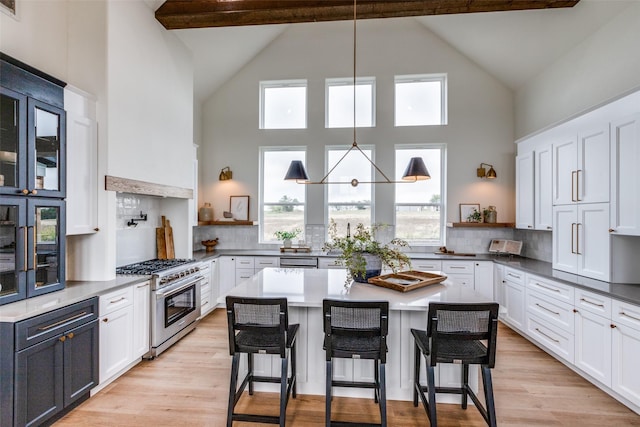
<point x="475" y="216"/>
<point x="356" y="248"/>
<point x="287" y="235"/>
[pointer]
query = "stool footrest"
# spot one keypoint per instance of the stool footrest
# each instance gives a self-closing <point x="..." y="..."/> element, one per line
<point x="355" y="384"/>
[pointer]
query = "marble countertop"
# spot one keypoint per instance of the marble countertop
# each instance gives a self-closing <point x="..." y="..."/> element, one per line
<point x="308" y="287"/>
<point x="75" y="291"/>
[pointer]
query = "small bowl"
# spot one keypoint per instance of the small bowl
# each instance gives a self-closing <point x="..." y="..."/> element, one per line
<point x="210" y="245"/>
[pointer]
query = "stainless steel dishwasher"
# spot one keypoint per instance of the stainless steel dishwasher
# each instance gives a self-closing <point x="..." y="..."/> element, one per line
<point x="298" y="262"/>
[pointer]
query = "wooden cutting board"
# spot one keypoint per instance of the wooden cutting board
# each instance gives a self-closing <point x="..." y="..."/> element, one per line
<point x="161" y="241"/>
<point x="168" y="238"/>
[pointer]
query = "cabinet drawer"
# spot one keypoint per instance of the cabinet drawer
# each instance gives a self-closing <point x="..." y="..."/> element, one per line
<point x="244" y="262"/>
<point x="555" y="339"/>
<point x="556" y="312"/>
<point x="426" y="265"/>
<point x="40" y="328"/>
<point x="514" y="276"/>
<point x="626" y="314"/>
<point x="457" y="267"/>
<point x="263" y="262"/>
<point x="465" y="280"/>
<point x="553" y="289"/>
<point x="243" y="274"/>
<point x="595" y="303"/>
<point x="114" y="300"/>
<point x="328" y="263"/>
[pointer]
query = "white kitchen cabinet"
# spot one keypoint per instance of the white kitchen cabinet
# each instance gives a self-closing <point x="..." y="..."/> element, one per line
<point x="214" y="280"/>
<point x="581" y="167"/>
<point x="557" y="340"/>
<point x="483" y="279"/>
<point x="459" y="272"/>
<point x="625" y="347"/>
<point x="116" y="332"/>
<point x="227" y="266"/>
<point x="543" y="188"/>
<point x="525" y="190"/>
<point x="82" y="162"/>
<point x="261" y="262"/>
<point x="514" y="298"/>
<point x="625" y="176"/>
<point x="581" y="240"/>
<point x="593" y="334"/>
<point x="426" y="264"/>
<point x="141" y="319"/>
<point x="498" y="287"/>
<point x="206" y="302"/>
<point x="329" y="263"/>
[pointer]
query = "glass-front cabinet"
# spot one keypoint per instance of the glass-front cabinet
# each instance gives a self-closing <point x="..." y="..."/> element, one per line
<point x="32" y="247"/>
<point x="32" y="156"/>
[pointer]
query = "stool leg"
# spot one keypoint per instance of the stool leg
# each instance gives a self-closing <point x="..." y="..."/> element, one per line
<point x="328" y="381"/>
<point x="250" y="369"/>
<point x="383" y="395"/>
<point x="416" y="373"/>
<point x="431" y="384"/>
<point x="488" y="393"/>
<point x="235" y="362"/>
<point x="465" y="385"/>
<point x="294" y="376"/>
<point x="284" y="370"/>
<point x="376" y="380"/>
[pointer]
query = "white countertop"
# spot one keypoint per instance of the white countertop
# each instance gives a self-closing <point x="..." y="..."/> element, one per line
<point x="308" y="287"/>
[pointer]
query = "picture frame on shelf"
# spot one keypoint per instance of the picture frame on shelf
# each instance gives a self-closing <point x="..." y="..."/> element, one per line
<point x="467" y="209"/>
<point x="239" y="207"/>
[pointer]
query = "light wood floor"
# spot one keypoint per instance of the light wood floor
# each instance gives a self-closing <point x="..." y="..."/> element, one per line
<point x="188" y="386"/>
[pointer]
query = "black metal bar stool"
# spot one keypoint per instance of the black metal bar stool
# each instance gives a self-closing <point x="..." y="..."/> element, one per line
<point x="463" y="334"/>
<point x="260" y="326"/>
<point x="356" y="330"/>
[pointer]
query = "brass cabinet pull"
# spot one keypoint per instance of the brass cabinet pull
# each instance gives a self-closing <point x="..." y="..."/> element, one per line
<point x="543" y="334"/>
<point x="33" y="240"/>
<point x="70" y="335"/>
<point x="26" y="254"/>
<point x="622" y="313"/>
<point x="117" y="300"/>
<point x="611" y="230"/>
<point x="25" y="191"/>
<point x="612" y="326"/>
<point x="578" y="199"/>
<point x="573" y="238"/>
<point x="62" y="338"/>
<point x="547" y="287"/>
<point x="105" y="320"/>
<point x="578" y="238"/>
<point x="592" y="303"/>
<point x="69" y="319"/>
<point x="545" y="308"/>
<point x="34" y="192"/>
<point x="573" y="180"/>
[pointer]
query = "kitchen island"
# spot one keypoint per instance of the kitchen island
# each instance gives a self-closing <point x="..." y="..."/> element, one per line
<point x="306" y="288"/>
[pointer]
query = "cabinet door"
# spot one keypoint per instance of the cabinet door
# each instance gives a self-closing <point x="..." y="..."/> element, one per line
<point x="514" y="300"/>
<point x="141" y="319"/>
<point x="498" y="286"/>
<point x="80" y="361"/>
<point x="13" y="143"/>
<point x="593" y="241"/>
<point x="564" y="252"/>
<point x="593" y="165"/>
<point x="46" y="149"/>
<point x="543" y="188"/>
<point x="483" y="279"/>
<point x="565" y="164"/>
<point x="13" y="260"/>
<point x="214" y="280"/>
<point x="39" y="382"/>
<point x="524" y="191"/>
<point x="625" y="176"/>
<point x="593" y="345"/>
<point x="625" y="348"/>
<point x="227" y="274"/>
<point x="116" y="342"/>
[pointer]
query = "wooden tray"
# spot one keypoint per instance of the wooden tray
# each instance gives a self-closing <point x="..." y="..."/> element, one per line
<point x="405" y="281"/>
<point x="296" y="249"/>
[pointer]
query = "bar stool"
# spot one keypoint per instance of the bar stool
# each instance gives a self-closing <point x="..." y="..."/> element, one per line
<point x="260" y="326"/>
<point x="455" y="334"/>
<point x="356" y="330"/>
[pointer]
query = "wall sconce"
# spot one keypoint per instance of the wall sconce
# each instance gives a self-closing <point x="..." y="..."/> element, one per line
<point x="482" y="172"/>
<point x="225" y="174"/>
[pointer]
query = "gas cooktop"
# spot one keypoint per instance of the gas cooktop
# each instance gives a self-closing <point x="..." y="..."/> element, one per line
<point x="152" y="266"/>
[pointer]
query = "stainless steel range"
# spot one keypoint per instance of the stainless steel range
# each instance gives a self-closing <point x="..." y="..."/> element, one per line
<point x="175" y="298"/>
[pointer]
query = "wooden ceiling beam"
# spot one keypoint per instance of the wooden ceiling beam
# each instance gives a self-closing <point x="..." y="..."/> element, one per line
<point x="181" y="14"/>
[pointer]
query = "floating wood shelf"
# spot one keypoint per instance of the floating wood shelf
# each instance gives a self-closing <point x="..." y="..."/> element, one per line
<point x="481" y="224"/>
<point x="225" y="222"/>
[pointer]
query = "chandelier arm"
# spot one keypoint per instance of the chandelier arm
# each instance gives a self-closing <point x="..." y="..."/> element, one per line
<point x="374" y="165"/>
<point x="337" y="163"/>
<point x="354" y="71"/>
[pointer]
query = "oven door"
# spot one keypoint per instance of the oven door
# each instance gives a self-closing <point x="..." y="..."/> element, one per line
<point x="176" y="307"/>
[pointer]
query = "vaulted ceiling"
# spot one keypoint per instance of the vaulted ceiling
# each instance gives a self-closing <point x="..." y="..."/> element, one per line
<point x="512" y="44"/>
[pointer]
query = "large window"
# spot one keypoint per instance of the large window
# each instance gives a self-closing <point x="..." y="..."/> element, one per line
<point x="346" y="203"/>
<point x="339" y="102"/>
<point x="421" y="100"/>
<point x="283" y="104"/>
<point x="282" y="203"/>
<point x="420" y="205"/>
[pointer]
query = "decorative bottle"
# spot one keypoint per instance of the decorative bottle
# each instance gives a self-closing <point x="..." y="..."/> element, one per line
<point x="205" y="214"/>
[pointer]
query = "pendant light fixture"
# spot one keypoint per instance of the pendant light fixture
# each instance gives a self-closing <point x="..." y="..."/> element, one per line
<point x="416" y="170"/>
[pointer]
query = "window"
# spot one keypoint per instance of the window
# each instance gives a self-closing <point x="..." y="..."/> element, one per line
<point x="339" y="102"/>
<point x="421" y="100"/>
<point x="420" y="206"/>
<point x="283" y="104"/>
<point x="345" y="203"/>
<point x="282" y="203"/>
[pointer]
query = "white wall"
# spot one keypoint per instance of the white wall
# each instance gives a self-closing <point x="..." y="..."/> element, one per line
<point x="480" y="125"/>
<point x="602" y="67"/>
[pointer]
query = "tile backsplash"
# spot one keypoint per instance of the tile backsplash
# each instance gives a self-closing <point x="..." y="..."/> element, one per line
<point x="136" y="243"/>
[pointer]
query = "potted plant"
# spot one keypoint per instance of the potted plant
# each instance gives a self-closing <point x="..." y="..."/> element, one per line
<point x="474" y="216"/>
<point x="362" y="255"/>
<point x="286" y="236"/>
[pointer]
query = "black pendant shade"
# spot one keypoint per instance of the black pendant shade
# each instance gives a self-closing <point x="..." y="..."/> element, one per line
<point x="416" y="171"/>
<point x="296" y="171"/>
